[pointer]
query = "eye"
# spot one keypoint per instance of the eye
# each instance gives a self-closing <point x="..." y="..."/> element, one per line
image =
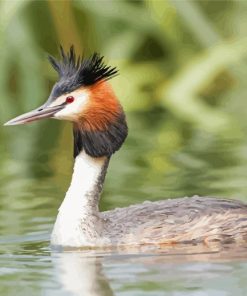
<point x="70" y="99"/>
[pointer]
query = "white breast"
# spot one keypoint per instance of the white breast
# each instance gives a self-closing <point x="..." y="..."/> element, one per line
<point x="78" y="222"/>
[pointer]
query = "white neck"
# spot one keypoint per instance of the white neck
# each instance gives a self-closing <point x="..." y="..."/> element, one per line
<point x="78" y="222"/>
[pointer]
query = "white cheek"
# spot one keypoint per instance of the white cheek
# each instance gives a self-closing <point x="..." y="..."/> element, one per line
<point x="71" y="110"/>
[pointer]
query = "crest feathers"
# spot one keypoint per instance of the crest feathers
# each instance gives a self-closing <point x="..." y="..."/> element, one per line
<point x="77" y="71"/>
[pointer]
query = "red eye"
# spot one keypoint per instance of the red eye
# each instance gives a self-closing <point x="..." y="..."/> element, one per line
<point x="70" y="99"/>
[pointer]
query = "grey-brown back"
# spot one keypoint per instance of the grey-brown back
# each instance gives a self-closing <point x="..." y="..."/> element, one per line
<point x="183" y="220"/>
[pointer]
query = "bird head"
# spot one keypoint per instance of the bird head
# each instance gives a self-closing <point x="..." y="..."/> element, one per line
<point x="83" y="96"/>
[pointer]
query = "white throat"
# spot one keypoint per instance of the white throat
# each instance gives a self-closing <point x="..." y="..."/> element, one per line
<point x="78" y="222"/>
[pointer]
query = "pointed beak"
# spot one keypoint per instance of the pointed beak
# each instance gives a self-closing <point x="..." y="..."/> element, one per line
<point x="37" y="114"/>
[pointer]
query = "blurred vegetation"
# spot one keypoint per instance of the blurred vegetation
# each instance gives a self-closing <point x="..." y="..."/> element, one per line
<point x="182" y="82"/>
<point x="183" y="66"/>
<point x="171" y="54"/>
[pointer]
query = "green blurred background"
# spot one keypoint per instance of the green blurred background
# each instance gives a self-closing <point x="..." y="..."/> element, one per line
<point x="182" y="67"/>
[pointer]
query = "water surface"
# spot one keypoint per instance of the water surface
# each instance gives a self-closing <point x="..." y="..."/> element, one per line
<point x="161" y="159"/>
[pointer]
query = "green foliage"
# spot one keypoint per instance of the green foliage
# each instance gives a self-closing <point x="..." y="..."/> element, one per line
<point x="162" y="48"/>
<point x="182" y="82"/>
<point x="182" y="67"/>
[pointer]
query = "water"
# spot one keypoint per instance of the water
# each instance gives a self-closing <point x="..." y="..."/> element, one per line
<point x="161" y="159"/>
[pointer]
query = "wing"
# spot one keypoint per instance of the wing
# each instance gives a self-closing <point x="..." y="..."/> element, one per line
<point x="184" y="220"/>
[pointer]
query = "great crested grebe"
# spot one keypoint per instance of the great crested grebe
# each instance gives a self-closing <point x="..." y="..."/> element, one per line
<point x="83" y="96"/>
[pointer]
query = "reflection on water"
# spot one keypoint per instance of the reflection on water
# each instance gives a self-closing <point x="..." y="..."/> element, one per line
<point x="89" y="274"/>
<point x="167" y="160"/>
<point x="81" y="275"/>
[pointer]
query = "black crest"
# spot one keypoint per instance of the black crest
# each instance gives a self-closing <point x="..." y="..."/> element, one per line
<point x="76" y="71"/>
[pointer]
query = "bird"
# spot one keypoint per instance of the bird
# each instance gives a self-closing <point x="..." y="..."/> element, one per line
<point x="83" y="95"/>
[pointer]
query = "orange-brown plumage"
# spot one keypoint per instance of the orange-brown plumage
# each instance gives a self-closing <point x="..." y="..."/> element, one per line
<point x="102" y="109"/>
